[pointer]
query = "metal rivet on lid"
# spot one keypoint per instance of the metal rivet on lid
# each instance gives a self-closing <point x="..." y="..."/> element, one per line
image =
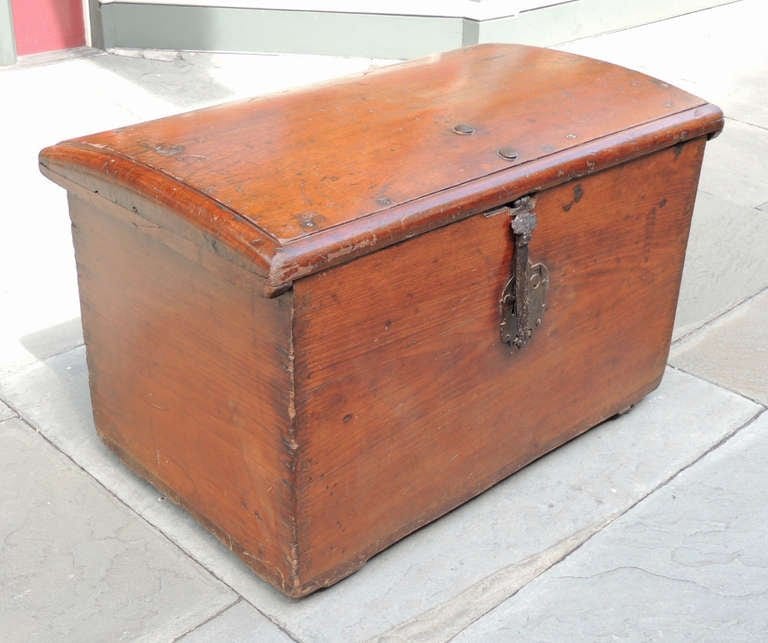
<point x="463" y="128"/>
<point x="507" y="153"/>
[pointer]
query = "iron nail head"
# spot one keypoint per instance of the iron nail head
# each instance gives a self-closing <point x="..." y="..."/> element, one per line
<point x="507" y="153"/>
<point x="463" y="128"/>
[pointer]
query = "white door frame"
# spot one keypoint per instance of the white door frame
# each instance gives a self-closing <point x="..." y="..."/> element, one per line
<point x="7" y="36"/>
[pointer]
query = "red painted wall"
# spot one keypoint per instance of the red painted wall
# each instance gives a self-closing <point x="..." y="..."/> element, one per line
<point x="47" y="25"/>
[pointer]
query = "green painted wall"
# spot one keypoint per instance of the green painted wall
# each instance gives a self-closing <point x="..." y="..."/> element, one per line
<point x="261" y="30"/>
<point x="97" y="29"/>
<point x="165" y="26"/>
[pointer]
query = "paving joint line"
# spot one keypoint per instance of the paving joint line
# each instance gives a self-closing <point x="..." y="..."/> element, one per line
<point x="40" y="360"/>
<point x="283" y="628"/>
<point x="63" y="351"/>
<point x="719" y="316"/>
<point x="15" y="412"/>
<point x="743" y="122"/>
<point x="208" y="620"/>
<point x="240" y="599"/>
<point x="726" y="438"/>
<point x="719" y="385"/>
<point x="32" y="425"/>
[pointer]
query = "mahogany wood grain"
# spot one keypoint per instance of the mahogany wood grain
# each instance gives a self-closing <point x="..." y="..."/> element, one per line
<point x="344" y="243"/>
<point x="351" y="148"/>
<point x="310" y="431"/>
<point x="291" y="304"/>
<point x="313" y="178"/>
<point x="190" y="378"/>
<point x="407" y="402"/>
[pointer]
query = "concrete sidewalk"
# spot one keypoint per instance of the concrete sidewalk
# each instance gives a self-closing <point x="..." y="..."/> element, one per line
<point x="651" y="527"/>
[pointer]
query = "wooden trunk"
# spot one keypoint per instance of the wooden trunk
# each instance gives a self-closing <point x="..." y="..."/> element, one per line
<point x="316" y="320"/>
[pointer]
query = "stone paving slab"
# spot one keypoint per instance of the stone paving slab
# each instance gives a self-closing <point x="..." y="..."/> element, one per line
<point x="77" y="565"/>
<point x="55" y="399"/>
<point x="520" y="525"/>
<point x="726" y="261"/>
<point x="736" y="165"/>
<point x="732" y="351"/>
<point x="689" y="563"/>
<point x="241" y="623"/>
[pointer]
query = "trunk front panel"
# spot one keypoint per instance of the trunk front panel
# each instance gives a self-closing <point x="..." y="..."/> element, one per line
<point x="408" y="403"/>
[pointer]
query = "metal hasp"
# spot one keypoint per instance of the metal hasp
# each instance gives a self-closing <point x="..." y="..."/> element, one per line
<point x="523" y="299"/>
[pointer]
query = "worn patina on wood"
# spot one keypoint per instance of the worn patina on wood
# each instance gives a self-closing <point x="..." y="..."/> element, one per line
<point x="294" y="307"/>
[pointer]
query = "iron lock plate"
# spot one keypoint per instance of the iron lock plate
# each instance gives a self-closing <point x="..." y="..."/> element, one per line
<point x="524" y="297"/>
